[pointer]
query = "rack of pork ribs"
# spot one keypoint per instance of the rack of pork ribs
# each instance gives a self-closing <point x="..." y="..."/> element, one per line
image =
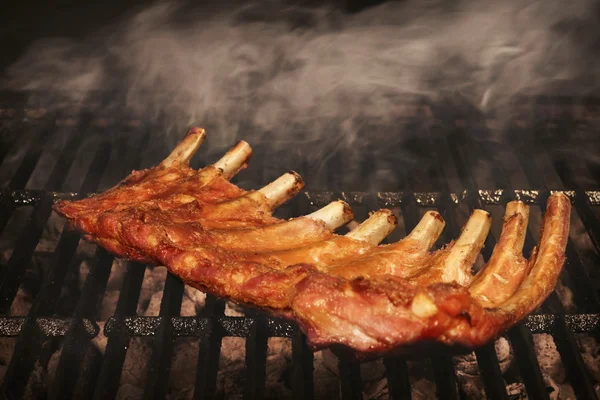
<point x="343" y="291"/>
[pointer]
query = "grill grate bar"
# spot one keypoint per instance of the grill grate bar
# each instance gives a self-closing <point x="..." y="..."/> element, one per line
<point x="585" y="292"/>
<point x="577" y="372"/>
<point x="302" y="368"/>
<point x="240" y="326"/>
<point x="7" y="206"/>
<point x="582" y="204"/>
<point x="445" y="378"/>
<point x="22" y="253"/>
<point x="116" y="347"/>
<point x="62" y="259"/>
<point x="160" y="362"/>
<point x="397" y="377"/>
<point x="7" y="142"/>
<point x="209" y="351"/>
<point x="302" y="356"/>
<point x="396" y="367"/>
<point x="487" y="359"/>
<point x="256" y="344"/>
<point x="27" y="197"/>
<point x="594" y="168"/>
<point x="130" y="289"/>
<point x="461" y="157"/>
<point x="67" y="156"/>
<point x="590" y="221"/>
<point x="49" y="326"/>
<point x="256" y="357"/>
<point x="522" y="343"/>
<point x="25" y="169"/>
<point x="76" y="342"/>
<point x="351" y="381"/>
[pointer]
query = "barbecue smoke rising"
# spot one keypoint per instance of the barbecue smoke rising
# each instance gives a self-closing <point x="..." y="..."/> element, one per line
<point x="315" y="78"/>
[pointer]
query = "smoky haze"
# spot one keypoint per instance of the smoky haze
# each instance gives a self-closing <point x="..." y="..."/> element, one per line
<point x="309" y="84"/>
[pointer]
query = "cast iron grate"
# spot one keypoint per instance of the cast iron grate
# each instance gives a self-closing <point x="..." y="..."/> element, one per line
<point x="212" y="324"/>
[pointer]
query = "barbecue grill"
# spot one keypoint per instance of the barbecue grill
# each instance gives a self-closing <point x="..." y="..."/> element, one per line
<point x="469" y="171"/>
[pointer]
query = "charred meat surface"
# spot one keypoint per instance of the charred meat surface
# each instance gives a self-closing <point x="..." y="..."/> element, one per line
<point x="341" y="290"/>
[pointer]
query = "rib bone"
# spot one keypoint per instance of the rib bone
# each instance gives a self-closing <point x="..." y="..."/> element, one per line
<point x="376" y="228"/>
<point x="186" y="148"/>
<point x="283" y="188"/>
<point x="466" y="249"/>
<point x="427" y="231"/>
<point x="504" y="272"/>
<point x="334" y="215"/>
<point x="234" y="160"/>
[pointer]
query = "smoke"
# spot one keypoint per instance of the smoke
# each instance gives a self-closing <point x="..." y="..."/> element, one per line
<point x="315" y="80"/>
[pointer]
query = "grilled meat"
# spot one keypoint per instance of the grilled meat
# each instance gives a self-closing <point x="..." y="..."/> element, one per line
<point x="342" y="290"/>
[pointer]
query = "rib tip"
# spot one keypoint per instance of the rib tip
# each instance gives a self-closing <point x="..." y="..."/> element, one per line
<point x="243" y="146"/>
<point x="347" y="208"/>
<point x="196" y="131"/>
<point x="560" y="195"/>
<point x="518" y="202"/>
<point x="436" y="215"/>
<point x="235" y="160"/>
<point x="283" y="188"/>
<point x="391" y="218"/>
<point x="517" y="207"/>
<point x="186" y="148"/>
<point x="297" y="177"/>
<point x="481" y="212"/>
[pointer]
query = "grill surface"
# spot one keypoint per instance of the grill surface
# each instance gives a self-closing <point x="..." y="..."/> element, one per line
<point x="453" y="195"/>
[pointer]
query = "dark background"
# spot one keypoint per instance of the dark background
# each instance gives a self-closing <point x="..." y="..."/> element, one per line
<point x="23" y="22"/>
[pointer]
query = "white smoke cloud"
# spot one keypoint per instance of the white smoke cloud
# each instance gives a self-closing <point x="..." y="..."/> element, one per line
<point x="272" y="71"/>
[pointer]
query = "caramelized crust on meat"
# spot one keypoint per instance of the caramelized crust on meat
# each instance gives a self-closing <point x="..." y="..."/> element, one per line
<point x="341" y="290"/>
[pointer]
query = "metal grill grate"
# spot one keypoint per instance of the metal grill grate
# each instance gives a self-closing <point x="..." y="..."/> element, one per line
<point x="77" y="330"/>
